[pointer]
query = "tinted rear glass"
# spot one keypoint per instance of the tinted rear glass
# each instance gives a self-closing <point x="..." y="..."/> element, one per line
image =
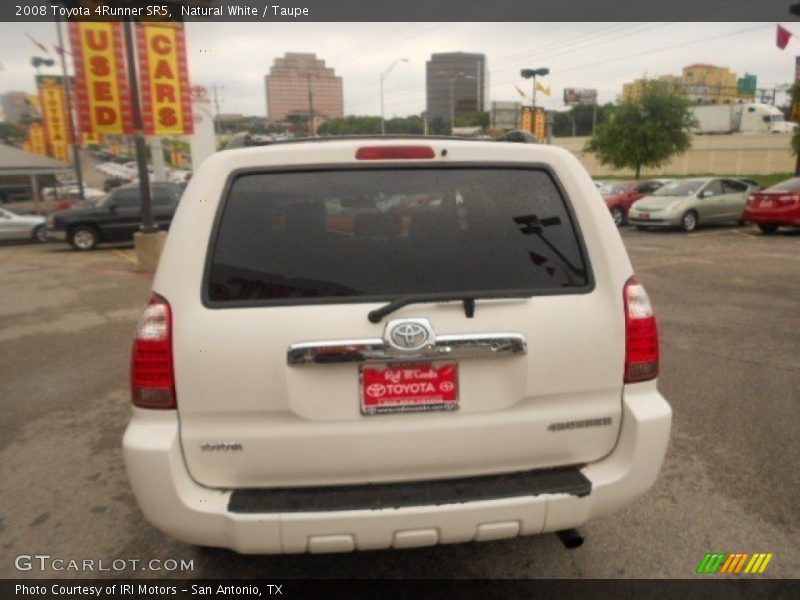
<point x="377" y="233"/>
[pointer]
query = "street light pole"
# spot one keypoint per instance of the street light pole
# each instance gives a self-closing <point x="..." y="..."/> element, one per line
<point x="311" y="128"/>
<point x="383" y="77"/>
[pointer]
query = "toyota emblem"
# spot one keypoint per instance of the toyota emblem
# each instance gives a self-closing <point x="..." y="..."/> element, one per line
<point x="409" y="335"/>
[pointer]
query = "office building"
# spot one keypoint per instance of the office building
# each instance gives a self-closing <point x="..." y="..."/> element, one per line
<point x="465" y="74"/>
<point x="17" y="108"/>
<point x="289" y="82"/>
<point x="702" y="84"/>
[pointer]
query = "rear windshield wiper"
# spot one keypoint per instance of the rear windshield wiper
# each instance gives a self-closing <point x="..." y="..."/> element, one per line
<point x="376" y="315"/>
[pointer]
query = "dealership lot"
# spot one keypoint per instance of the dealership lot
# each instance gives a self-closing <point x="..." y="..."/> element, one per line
<point x="728" y="301"/>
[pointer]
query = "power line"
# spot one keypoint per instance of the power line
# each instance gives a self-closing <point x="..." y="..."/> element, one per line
<point x="637" y="55"/>
<point x="591" y="39"/>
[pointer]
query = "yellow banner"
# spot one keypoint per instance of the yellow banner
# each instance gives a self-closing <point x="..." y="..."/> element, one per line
<point x="61" y="152"/>
<point x="164" y="81"/>
<point x="101" y="90"/>
<point x="36" y="139"/>
<point x="54" y="111"/>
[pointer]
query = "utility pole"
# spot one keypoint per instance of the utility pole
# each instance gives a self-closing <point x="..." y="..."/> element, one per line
<point x="76" y="157"/>
<point x="147" y="226"/>
<point x="216" y="88"/>
<point x="383" y="77"/>
<point x="311" y="128"/>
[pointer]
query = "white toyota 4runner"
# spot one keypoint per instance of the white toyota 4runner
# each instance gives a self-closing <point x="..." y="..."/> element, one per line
<point x="389" y="343"/>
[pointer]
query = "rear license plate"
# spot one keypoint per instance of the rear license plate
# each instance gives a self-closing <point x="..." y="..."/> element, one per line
<point x="644" y="215"/>
<point x="408" y="387"/>
<point x="766" y="204"/>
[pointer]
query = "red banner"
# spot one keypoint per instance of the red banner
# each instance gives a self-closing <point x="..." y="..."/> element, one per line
<point x="164" y="79"/>
<point x="102" y="94"/>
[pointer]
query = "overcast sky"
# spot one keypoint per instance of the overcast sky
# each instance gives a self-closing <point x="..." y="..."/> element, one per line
<point x="236" y="56"/>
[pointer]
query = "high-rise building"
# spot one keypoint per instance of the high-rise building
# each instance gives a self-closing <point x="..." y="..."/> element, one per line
<point x="463" y="73"/>
<point x="17" y="107"/>
<point x="289" y="82"/>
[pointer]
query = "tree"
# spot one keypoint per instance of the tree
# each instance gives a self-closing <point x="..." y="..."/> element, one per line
<point x="473" y="119"/>
<point x="794" y="94"/>
<point x="644" y="132"/>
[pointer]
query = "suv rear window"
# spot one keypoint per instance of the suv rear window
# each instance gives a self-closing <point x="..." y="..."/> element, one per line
<point x="375" y="234"/>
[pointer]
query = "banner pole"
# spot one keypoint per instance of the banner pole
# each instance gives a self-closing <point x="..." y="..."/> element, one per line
<point x="76" y="146"/>
<point x="147" y="226"/>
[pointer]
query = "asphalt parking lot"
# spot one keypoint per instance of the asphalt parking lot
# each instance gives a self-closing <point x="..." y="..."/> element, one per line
<point x="728" y="302"/>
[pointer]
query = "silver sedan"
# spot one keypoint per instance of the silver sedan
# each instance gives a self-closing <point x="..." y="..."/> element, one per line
<point x="21" y="227"/>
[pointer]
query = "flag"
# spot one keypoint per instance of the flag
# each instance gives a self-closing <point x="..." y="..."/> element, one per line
<point x="519" y="91"/>
<point x="782" y="37"/>
<point x="545" y="89"/>
<point x="41" y="47"/>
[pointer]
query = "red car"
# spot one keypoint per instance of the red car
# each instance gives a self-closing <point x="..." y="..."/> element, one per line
<point x="775" y="206"/>
<point x="619" y="196"/>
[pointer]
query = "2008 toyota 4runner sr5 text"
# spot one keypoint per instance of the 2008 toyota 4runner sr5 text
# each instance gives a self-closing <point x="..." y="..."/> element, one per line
<point x="389" y="343"/>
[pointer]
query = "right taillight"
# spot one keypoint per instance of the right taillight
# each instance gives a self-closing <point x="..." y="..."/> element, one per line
<point x="152" y="374"/>
<point x="641" y="334"/>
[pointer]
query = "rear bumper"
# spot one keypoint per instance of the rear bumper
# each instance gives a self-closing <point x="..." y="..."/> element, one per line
<point x="177" y="505"/>
<point x="789" y="215"/>
<point x="654" y="222"/>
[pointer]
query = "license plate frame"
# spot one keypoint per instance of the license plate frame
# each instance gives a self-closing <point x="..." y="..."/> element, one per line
<point x="408" y="387"/>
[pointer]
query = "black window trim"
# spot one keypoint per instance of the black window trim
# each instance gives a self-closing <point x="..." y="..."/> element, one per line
<point x="517" y="293"/>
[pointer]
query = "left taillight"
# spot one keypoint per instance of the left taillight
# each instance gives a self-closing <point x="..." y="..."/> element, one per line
<point x="152" y="371"/>
<point x="641" y="334"/>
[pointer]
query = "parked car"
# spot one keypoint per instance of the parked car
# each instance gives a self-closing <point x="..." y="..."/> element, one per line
<point x="114" y="218"/>
<point x="774" y="207"/>
<point x="619" y="196"/>
<point x="687" y="203"/>
<point x="473" y="359"/>
<point x="114" y="182"/>
<point x="752" y="184"/>
<point x="21" y="227"/>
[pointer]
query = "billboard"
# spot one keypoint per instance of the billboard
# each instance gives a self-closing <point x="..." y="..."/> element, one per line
<point x="53" y="99"/>
<point x="746" y="86"/>
<point x="164" y="79"/>
<point x="577" y="96"/>
<point x="102" y="94"/>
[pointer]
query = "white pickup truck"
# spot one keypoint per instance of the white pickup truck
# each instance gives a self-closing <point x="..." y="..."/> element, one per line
<point x="389" y="343"/>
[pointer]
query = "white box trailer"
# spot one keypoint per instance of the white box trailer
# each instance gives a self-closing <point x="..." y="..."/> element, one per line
<point x="740" y="118"/>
